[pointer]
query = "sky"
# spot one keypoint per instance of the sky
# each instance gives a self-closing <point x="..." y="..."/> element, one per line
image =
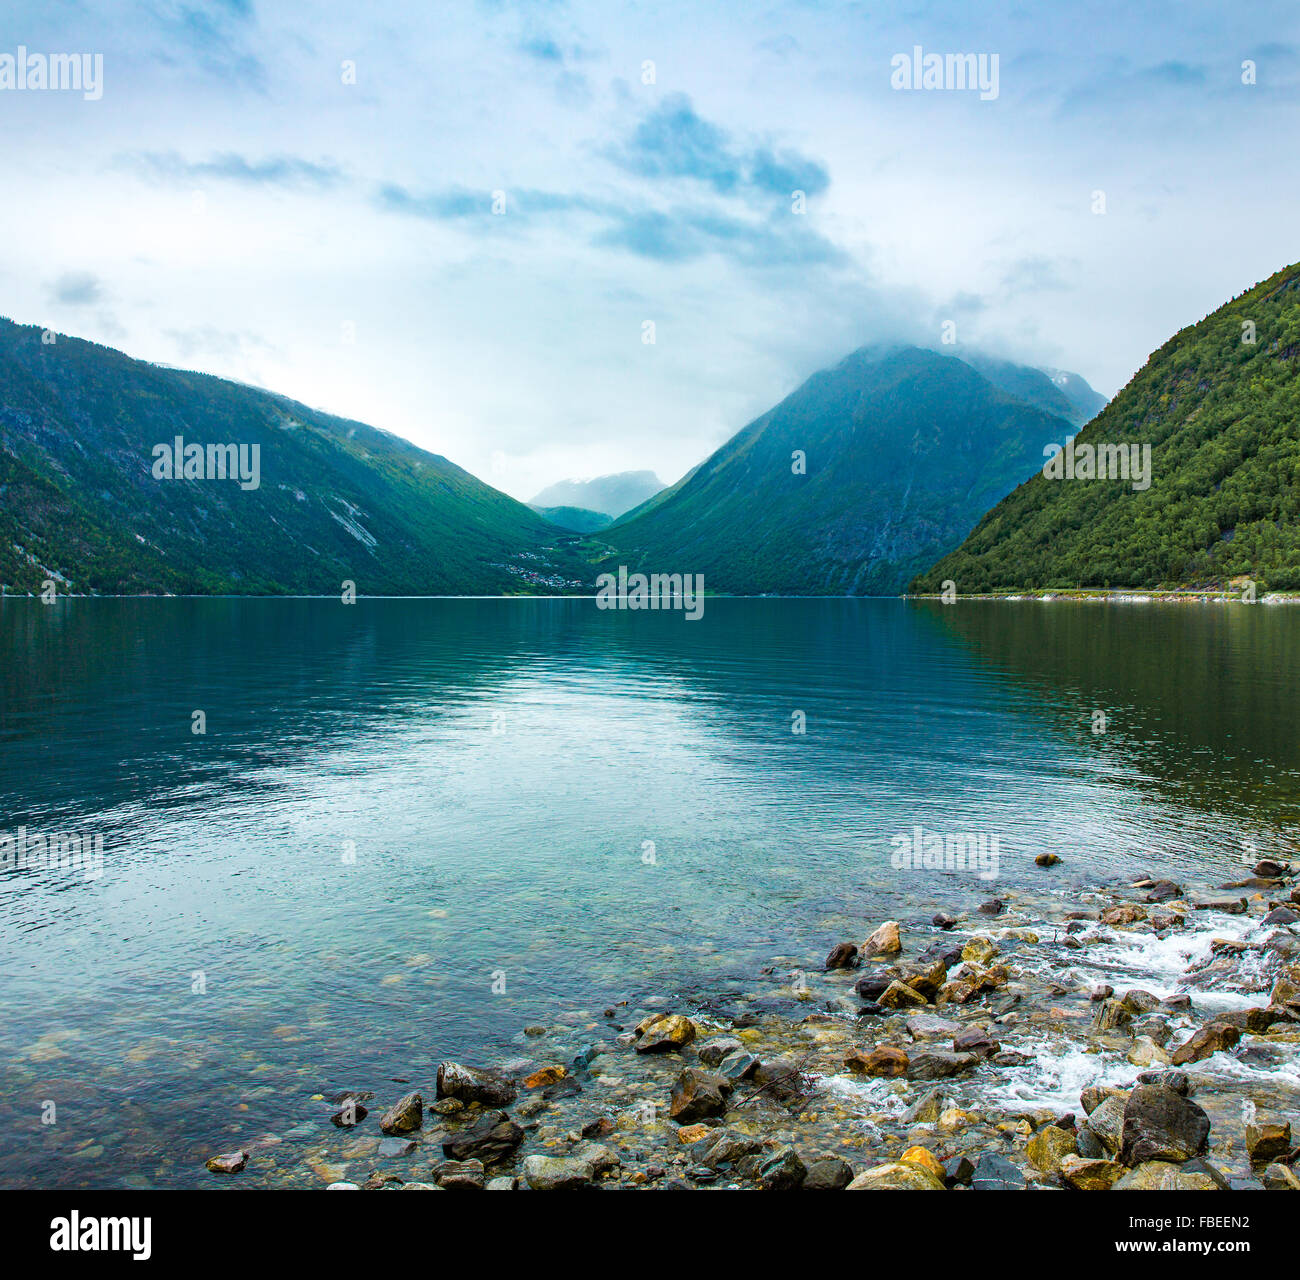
<point x="463" y="222"/>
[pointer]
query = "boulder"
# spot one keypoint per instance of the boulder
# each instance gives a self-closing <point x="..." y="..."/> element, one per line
<point x="230" y="1162"/>
<point x="697" y="1095"/>
<point x="1090" y="1175"/>
<point x="925" y="980"/>
<point x="872" y="986"/>
<point x="958" y="1171"/>
<point x="1214" y="1037"/>
<point x="565" y="1173"/>
<point x="885" y="941"/>
<point x="844" y="955"/>
<point x="900" y="996"/>
<point x="1046" y="860"/>
<point x="348" y="1115"/>
<point x="1106" y="1123"/>
<point x="782" y="1079"/>
<point x="997" y="1173"/>
<point x="884" y="1060"/>
<point x="1112" y="1015"/>
<point x="783" y="1170"/>
<point x="1277" y="1177"/>
<point x="1123" y="915"/>
<point x="491" y="1139"/>
<point x="923" y="1158"/>
<point x="898" y="1176"/>
<point x="979" y="950"/>
<point x="725" y="1147"/>
<point x="404" y="1116"/>
<point x="738" y="1066"/>
<point x="943" y="920"/>
<point x="929" y="1026"/>
<point x="470" y="1084"/>
<point x="664" y="1033"/>
<point x="1164" y="890"/>
<point x="828" y="1173"/>
<point x="1161" y="1125"/>
<point x="1267" y="1141"/>
<point x="544" y="1077"/>
<point x="460" y="1175"/>
<point x="975" y="1040"/>
<point x="1272" y="868"/>
<point x="712" y="1052"/>
<point x="1049" y="1146"/>
<point x="936" y="1064"/>
<point x="1160" y="1175"/>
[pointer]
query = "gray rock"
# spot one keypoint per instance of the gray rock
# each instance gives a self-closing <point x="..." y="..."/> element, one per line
<point x="460" y="1175"/>
<point x="1161" y="1125"/>
<point x="472" y="1084"/>
<point x="828" y="1173"/>
<point x="997" y="1173"/>
<point x="783" y="1170"/>
<point x="405" y="1115"/>
<point x="390" y="1147"/>
<point x="492" y="1138"/>
<point x="712" y="1052"/>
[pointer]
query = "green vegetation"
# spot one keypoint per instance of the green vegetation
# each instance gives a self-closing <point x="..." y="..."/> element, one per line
<point x="338" y="500"/>
<point x="903" y="450"/>
<point x="1223" y="419"/>
<point x="575" y="519"/>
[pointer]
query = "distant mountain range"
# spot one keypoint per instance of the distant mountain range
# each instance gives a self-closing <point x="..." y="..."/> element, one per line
<point x="611" y="495"/>
<point x="84" y="435"/>
<point x="1219" y="407"/>
<point x="861" y="478"/>
<point x="575" y="519"/>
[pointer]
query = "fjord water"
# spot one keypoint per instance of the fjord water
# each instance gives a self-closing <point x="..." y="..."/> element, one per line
<point x="415" y="826"/>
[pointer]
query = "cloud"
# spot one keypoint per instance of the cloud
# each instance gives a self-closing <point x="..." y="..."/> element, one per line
<point x="77" y="289"/>
<point x="275" y="171"/>
<point x="674" y="141"/>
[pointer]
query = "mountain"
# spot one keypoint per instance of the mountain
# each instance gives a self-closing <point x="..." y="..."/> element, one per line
<point x="1222" y="419"/>
<point x="905" y="449"/>
<point x="80" y="430"/>
<point x="575" y="519"/>
<point x="1066" y="395"/>
<point x="613" y="495"/>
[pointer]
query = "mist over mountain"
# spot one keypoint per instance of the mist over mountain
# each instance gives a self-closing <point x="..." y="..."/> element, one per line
<point x="855" y="481"/>
<point x="614" y="495"/>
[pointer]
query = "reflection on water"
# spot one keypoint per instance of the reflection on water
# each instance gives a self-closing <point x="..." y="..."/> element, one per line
<point x="400" y="807"/>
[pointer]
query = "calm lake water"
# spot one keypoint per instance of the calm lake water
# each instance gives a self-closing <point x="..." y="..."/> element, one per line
<point x="413" y="827"/>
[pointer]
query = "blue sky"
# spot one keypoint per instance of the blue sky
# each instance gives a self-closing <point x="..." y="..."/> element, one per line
<point x="232" y="204"/>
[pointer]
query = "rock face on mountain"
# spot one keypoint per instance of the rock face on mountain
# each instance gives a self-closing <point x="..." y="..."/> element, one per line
<point x="853" y="483"/>
<point x="1217" y="408"/>
<point x="119" y="476"/>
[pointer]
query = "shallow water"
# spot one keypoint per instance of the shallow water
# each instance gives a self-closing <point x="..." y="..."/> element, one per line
<point x="414" y="826"/>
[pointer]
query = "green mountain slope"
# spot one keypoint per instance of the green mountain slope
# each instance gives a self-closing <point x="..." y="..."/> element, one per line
<point x="905" y="449"/>
<point x="337" y="500"/>
<point x="1222" y="417"/>
<point x="574" y="519"/>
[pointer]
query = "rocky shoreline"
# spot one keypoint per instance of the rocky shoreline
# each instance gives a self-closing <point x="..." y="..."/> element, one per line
<point x="1000" y="1048"/>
